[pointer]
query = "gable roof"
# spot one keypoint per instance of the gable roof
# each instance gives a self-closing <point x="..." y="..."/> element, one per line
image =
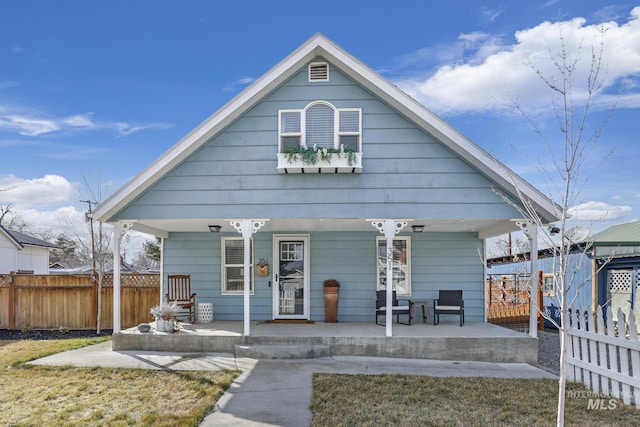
<point x="319" y="45"/>
<point x="21" y="239"/>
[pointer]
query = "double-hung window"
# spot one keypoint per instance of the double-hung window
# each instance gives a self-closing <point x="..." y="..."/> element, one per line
<point x="321" y="125"/>
<point x="401" y="262"/>
<point x="290" y="129"/>
<point x="233" y="270"/>
<point x="549" y="284"/>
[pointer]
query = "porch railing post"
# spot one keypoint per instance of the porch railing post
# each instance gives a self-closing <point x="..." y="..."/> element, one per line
<point x="247" y="227"/>
<point x="389" y="227"/>
<point x="117" y="238"/>
<point x="389" y="235"/>
<point x="531" y="231"/>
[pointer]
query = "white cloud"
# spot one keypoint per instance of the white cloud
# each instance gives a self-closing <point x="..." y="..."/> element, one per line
<point x="27" y="126"/>
<point x="70" y="220"/>
<point x="240" y="83"/>
<point x="47" y="190"/>
<point x="32" y="123"/>
<point x="60" y="220"/>
<point x="598" y="211"/>
<point x="128" y="129"/>
<point x="488" y="73"/>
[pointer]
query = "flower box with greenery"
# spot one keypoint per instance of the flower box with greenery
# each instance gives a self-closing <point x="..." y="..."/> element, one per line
<point x="319" y="160"/>
<point x="165" y="314"/>
<point x="331" y="296"/>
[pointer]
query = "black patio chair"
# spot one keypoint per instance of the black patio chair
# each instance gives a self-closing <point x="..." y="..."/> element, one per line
<point x="448" y="302"/>
<point x="398" y="307"/>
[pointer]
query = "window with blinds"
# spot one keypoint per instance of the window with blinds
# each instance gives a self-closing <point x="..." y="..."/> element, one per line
<point x="233" y="266"/>
<point x="349" y="129"/>
<point x="290" y="129"/>
<point x="319" y="126"/>
<point x="322" y="125"/>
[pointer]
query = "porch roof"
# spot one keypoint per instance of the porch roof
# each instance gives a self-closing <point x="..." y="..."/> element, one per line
<point x="484" y="227"/>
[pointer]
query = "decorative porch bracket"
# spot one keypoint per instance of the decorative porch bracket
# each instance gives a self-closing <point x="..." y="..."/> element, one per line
<point x="119" y="230"/>
<point x="530" y="230"/>
<point x="247" y="227"/>
<point x="389" y="227"/>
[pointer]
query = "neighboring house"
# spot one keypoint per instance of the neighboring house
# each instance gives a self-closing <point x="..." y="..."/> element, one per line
<point x="63" y="268"/>
<point x="20" y="252"/>
<point x="607" y="273"/>
<point x="387" y="173"/>
<point x="517" y="269"/>
<point x="616" y="252"/>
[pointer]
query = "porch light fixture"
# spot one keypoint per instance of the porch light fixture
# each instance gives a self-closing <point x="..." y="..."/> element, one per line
<point x="215" y="228"/>
<point x="417" y="228"/>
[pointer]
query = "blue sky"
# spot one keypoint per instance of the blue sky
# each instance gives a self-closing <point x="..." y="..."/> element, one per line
<point x="95" y="91"/>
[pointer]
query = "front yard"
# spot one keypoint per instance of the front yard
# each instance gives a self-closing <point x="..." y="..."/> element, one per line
<point x="36" y="395"/>
<point x="406" y="400"/>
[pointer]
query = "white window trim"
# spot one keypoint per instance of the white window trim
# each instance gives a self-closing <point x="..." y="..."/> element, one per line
<point x="545" y="292"/>
<point x="223" y="273"/>
<point x="380" y="267"/>
<point x="336" y="125"/>
<point x="283" y="134"/>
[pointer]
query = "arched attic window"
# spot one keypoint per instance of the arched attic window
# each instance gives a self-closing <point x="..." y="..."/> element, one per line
<point x="322" y="125"/>
<point x="320" y="129"/>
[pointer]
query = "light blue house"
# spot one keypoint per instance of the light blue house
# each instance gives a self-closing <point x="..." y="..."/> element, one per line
<point x="385" y="173"/>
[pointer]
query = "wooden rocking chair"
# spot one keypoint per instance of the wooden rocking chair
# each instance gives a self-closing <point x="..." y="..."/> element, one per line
<point x="179" y="291"/>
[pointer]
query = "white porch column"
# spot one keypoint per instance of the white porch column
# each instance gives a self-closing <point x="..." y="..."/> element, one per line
<point x="161" y="270"/>
<point x="119" y="230"/>
<point x="389" y="227"/>
<point x="247" y="227"/>
<point x="531" y="231"/>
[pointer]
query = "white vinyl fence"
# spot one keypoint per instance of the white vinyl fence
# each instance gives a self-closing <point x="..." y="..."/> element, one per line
<point x="605" y="358"/>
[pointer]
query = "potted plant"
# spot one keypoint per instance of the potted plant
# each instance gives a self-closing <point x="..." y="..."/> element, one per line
<point x="331" y="296"/>
<point x="165" y="316"/>
<point x="313" y="155"/>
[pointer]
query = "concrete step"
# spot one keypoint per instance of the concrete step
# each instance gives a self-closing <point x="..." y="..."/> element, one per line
<point x="262" y="351"/>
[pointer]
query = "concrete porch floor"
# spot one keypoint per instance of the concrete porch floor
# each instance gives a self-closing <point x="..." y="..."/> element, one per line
<point x="446" y="341"/>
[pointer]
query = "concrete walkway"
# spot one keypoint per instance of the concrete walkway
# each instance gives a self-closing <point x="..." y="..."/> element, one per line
<point x="278" y="392"/>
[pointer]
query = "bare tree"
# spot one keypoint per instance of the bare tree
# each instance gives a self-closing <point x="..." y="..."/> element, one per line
<point x="573" y="107"/>
<point x="510" y="247"/>
<point x="93" y="243"/>
<point x="10" y="219"/>
<point x="149" y="256"/>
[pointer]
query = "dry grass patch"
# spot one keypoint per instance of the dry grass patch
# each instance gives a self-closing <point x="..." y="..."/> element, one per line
<point x="36" y="395"/>
<point x="405" y="400"/>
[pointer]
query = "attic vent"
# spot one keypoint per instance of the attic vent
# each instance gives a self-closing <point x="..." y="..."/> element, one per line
<point x="318" y="72"/>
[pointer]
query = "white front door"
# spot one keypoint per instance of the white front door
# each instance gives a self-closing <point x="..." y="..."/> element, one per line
<point x="291" y="277"/>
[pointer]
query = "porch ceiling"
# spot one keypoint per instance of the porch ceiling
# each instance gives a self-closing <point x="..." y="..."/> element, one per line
<point x="484" y="227"/>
